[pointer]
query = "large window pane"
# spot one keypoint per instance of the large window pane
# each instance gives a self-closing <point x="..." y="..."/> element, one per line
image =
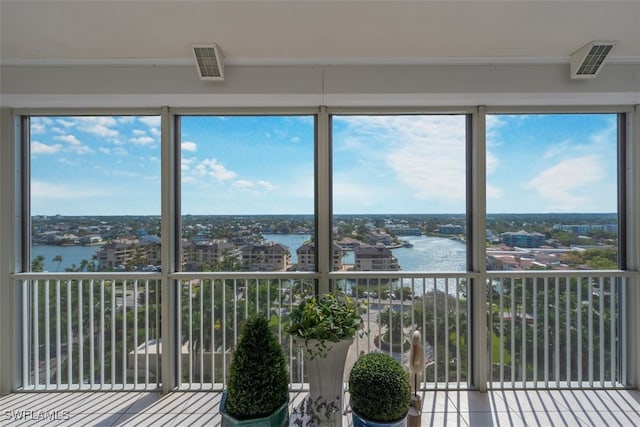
<point x="399" y="194"/>
<point x="247" y="193"/>
<point x="552" y="191"/>
<point x="95" y="193"/>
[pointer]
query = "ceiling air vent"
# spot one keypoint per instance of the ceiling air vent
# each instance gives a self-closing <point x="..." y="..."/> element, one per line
<point x="587" y="61"/>
<point x="209" y="61"/>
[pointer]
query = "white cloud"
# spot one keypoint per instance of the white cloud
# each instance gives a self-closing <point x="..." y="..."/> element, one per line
<point x="139" y="132"/>
<point x="71" y="139"/>
<point x="566" y="185"/>
<point x="295" y="139"/>
<point x="40" y="148"/>
<point x="243" y="184"/>
<point x="37" y="128"/>
<point x="189" y="146"/>
<point x="212" y="168"/>
<point x="65" y="123"/>
<point x="266" y="185"/>
<point x="185" y="164"/>
<point x="142" y="140"/>
<point x="151" y="121"/>
<point x="41" y="190"/>
<point x="101" y="126"/>
<point x="81" y="149"/>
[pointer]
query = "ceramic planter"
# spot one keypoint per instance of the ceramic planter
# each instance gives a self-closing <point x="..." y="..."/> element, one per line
<point x="326" y="374"/>
<point x="360" y="421"/>
<point x="280" y="418"/>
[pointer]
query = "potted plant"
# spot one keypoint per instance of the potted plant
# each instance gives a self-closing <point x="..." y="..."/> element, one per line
<point x="258" y="385"/>
<point x="326" y="326"/>
<point x="380" y="391"/>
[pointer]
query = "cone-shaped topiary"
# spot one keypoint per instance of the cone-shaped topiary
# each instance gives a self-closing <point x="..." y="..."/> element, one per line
<point x="258" y="380"/>
<point x="379" y="388"/>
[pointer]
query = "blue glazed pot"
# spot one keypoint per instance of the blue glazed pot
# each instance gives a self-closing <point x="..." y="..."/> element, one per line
<point x="280" y="418"/>
<point x="360" y="421"/>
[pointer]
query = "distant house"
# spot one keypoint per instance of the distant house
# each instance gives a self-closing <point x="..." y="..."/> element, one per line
<point x="375" y="258"/>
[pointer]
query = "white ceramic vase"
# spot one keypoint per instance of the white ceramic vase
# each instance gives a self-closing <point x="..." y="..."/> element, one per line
<point x="326" y="373"/>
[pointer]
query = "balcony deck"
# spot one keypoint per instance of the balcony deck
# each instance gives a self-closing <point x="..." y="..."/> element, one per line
<point x="440" y="408"/>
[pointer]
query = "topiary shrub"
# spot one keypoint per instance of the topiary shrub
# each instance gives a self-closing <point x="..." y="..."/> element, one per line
<point x="379" y="388"/>
<point x="258" y="380"/>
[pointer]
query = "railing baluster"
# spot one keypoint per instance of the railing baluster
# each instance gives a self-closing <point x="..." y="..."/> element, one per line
<point x="546" y="332"/>
<point x="201" y="337"/>
<point x="557" y="330"/>
<point x="92" y="333"/>
<point x="135" y="333"/>
<point x="534" y="332"/>
<point x="113" y="334"/>
<point x="80" y="336"/>
<point x="47" y="334"/>
<point x="601" y="339"/>
<point x="568" y="330"/>
<point x="124" y="333"/>
<point x="579" y="329"/>
<point x="590" y="323"/>
<point x="36" y="343"/>
<point x="69" y="336"/>
<point x="523" y="321"/>
<point x="501" y="337"/>
<point x="513" y="332"/>
<point x="612" y="328"/>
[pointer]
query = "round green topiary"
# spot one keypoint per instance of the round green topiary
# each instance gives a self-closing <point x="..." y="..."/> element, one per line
<point x="379" y="388"/>
<point x="258" y="380"/>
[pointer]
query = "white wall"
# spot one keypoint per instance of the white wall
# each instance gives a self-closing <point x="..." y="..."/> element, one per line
<point x="382" y="85"/>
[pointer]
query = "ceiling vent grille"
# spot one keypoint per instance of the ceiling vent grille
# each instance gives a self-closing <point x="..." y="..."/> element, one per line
<point x="587" y="62"/>
<point x="209" y="61"/>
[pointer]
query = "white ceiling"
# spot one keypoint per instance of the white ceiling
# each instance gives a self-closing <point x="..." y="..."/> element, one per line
<point x="266" y="32"/>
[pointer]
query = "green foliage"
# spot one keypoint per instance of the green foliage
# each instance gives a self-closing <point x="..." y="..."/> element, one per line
<point x="258" y="380"/>
<point x="327" y="318"/>
<point x="379" y="387"/>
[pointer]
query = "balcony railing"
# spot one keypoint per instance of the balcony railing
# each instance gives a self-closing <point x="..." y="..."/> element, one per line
<point x="556" y="330"/>
<point x="102" y="331"/>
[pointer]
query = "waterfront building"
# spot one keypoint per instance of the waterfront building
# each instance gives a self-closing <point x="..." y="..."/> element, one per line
<point x="375" y="258"/>
<point x="196" y="254"/>
<point x="586" y="228"/>
<point x="450" y="229"/>
<point x="404" y="230"/>
<point x="117" y="255"/>
<point x="523" y="239"/>
<point x="265" y="257"/>
<point x="307" y="257"/>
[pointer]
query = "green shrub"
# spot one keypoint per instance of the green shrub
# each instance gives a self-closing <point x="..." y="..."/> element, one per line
<point x="379" y="388"/>
<point x="258" y="379"/>
<point x="327" y="318"/>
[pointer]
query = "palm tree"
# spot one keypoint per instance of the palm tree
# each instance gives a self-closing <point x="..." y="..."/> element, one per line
<point x="37" y="264"/>
<point x="58" y="259"/>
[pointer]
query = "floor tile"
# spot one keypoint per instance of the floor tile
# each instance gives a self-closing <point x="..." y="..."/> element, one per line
<point x="491" y="419"/>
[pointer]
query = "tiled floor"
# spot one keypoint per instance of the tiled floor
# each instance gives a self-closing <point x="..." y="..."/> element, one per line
<point x="456" y="408"/>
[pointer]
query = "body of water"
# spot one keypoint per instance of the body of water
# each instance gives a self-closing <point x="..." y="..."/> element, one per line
<point x="70" y="255"/>
<point x="427" y="254"/>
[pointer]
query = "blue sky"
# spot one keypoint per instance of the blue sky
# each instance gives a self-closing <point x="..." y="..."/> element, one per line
<point x="265" y="165"/>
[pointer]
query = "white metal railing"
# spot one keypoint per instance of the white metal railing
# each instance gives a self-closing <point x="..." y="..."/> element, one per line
<point x="102" y="331"/>
<point x="435" y="304"/>
<point x="90" y="332"/>
<point x="556" y="330"/>
<point x="213" y="308"/>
